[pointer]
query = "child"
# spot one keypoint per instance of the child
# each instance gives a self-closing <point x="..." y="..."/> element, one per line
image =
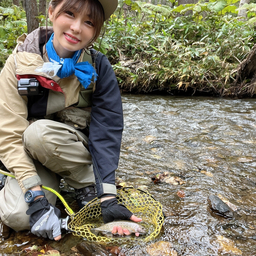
<point x="59" y="122"/>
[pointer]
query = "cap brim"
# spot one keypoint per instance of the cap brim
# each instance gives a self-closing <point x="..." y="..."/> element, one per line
<point x="109" y="6"/>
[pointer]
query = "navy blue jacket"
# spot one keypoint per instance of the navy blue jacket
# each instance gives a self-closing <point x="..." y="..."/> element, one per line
<point x="106" y="124"/>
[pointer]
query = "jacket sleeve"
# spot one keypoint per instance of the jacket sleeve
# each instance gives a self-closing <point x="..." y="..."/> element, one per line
<point x="106" y="127"/>
<point x="13" y="110"/>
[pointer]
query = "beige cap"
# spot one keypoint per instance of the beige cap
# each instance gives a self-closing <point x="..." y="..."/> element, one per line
<point x="109" y="6"/>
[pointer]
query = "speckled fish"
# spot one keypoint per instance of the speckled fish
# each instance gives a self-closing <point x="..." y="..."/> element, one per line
<point x="133" y="227"/>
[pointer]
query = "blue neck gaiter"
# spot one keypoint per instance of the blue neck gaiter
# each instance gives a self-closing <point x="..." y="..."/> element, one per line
<point x="84" y="71"/>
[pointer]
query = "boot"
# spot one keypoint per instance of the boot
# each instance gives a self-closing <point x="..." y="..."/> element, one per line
<point x="85" y="195"/>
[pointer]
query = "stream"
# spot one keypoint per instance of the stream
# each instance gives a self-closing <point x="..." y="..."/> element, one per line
<point x="208" y="145"/>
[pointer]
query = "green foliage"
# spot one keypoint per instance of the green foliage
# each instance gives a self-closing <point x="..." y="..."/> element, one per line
<point x="157" y="47"/>
<point x="12" y="24"/>
<point x="251" y="12"/>
<point x="5" y="3"/>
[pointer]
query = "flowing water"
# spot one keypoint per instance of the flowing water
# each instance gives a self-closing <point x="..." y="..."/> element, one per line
<point x="208" y="145"/>
<point x="208" y="142"/>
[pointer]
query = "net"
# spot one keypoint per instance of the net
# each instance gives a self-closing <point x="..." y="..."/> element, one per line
<point x="139" y="202"/>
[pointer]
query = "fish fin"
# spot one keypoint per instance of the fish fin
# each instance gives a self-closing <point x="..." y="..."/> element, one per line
<point x="107" y="234"/>
<point x="95" y="231"/>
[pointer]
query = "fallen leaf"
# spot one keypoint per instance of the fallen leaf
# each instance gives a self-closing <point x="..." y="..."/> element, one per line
<point x="74" y="249"/>
<point x="114" y="249"/>
<point x="160" y="177"/>
<point x="174" y="181"/>
<point x="181" y="194"/>
<point x="34" y="248"/>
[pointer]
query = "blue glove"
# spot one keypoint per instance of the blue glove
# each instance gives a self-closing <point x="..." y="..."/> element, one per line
<point x="44" y="219"/>
<point x="111" y="211"/>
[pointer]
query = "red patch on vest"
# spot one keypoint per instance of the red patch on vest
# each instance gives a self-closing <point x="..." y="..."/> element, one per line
<point x="44" y="82"/>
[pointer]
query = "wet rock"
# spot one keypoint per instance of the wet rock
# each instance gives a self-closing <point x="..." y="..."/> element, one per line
<point x="156" y="156"/>
<point x="161" y="248"/>
<point x="143" y="188"/>
<point x="249" y="233"/>
<point x="175" y="181"/>
<point x="36" y="250"/>
<point x="232" y="206"/>
<point x="52" y="253"/>
<point x="228" y="246"/>
<point x="149" y="138"/>
<point x="209" y="174"/>
<point x="92" y="249"/>
<point x="220" y="208"/>
<point x="235" y="230"/>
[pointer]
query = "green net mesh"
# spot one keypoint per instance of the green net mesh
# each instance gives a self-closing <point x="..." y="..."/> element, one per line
<point x="139" y="202"/>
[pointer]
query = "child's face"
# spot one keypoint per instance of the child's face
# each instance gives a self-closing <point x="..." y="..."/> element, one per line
<point x="72" y="31"/>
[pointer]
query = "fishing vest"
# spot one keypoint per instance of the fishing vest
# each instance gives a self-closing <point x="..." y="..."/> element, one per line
<point x="51" y="105"/>
<point x="79" y="115"/>
<point x="85" y="96"/>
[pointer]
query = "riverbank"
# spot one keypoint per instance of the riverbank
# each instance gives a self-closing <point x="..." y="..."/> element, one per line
<point x="162" y="49"/>
<point x="241" y="87"/>
<point x="236" y="89"/>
